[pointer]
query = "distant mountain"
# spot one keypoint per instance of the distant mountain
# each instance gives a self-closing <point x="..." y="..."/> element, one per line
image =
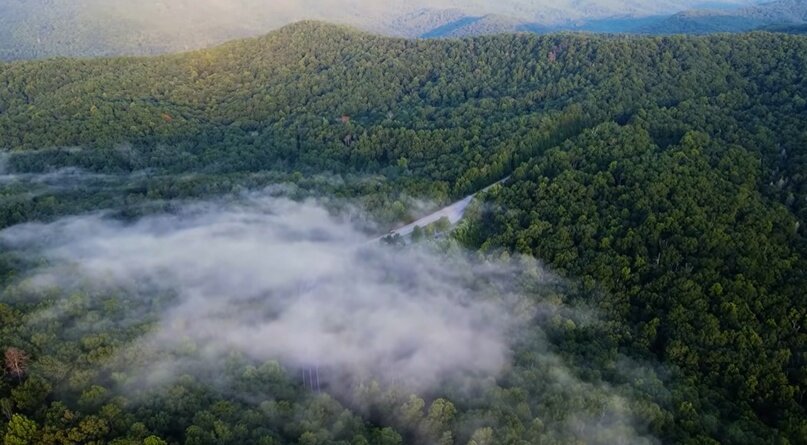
<point x="425" y="21"/>
<point x="777" y="13"/>
<point x="781" y="11"/>
<point x="46" y="28"/>
<point x="485" y="25"/>
<point x="703" y="22"/>
<point x="465" y="25"/>
<point x="787" y="29"/>
<point x="617" y="24"/>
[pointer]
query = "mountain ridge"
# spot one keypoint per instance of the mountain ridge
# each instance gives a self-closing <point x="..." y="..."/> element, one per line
<point x="33" y="29"/>
<point x="776" y="13"/>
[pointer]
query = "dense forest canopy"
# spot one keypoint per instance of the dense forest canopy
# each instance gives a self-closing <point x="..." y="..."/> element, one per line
<point x="661" y="179"/>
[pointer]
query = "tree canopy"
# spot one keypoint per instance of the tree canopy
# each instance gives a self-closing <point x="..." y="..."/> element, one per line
<point x="664" y="178"/>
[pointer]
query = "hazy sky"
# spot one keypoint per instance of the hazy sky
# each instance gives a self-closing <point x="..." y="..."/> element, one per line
<point x="363" y="11"/>
<point x="41" y="28"/>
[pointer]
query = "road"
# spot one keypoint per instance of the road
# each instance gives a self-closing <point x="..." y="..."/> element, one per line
<point x="453" y="213"/>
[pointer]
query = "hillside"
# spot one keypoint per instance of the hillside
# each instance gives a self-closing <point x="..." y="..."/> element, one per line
<point x="481" y="26"/>
<point x="705" y="22"/>
<point x="792" y="29"/>
<point x="662" y="179"/>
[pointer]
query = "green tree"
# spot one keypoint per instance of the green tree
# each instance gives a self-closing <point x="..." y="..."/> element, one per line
<point x="20" y="431"/>
<point x="154" y="440"/>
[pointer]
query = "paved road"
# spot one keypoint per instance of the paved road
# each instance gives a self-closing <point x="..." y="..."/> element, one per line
<point x="453" y="212"/>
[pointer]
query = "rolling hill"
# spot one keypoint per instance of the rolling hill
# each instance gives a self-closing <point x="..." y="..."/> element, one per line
<point x="660" y="179"/>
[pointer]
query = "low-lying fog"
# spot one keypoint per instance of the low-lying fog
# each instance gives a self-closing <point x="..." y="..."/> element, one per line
<point x="272" y="279"/>
<point x="276" y="279"/>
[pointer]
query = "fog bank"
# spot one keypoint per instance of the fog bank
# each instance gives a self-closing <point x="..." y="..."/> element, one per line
<point x="279" y="280"/>
<point x="270" y="279"/>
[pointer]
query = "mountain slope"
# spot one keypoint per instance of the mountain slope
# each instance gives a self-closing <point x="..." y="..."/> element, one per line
<point x="780" y="11"/>
<point x="789" y="29"/>
<point x="777" y="13"/>
<point x="485" y="25"/>
<point x="662" y="177"/>
<point x="423" y="21"/>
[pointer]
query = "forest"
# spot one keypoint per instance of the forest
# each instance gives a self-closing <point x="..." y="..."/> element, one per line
<point x="661" y="180"/>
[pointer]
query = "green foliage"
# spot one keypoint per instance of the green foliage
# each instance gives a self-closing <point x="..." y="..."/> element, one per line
<point x="20" y="431"/>
<point x="663" y="177"/>
<point x="706" y="271"/>
<point x="440" y="118"/>
<point x="154" y="440"/>
<point x="387" y="436"/>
